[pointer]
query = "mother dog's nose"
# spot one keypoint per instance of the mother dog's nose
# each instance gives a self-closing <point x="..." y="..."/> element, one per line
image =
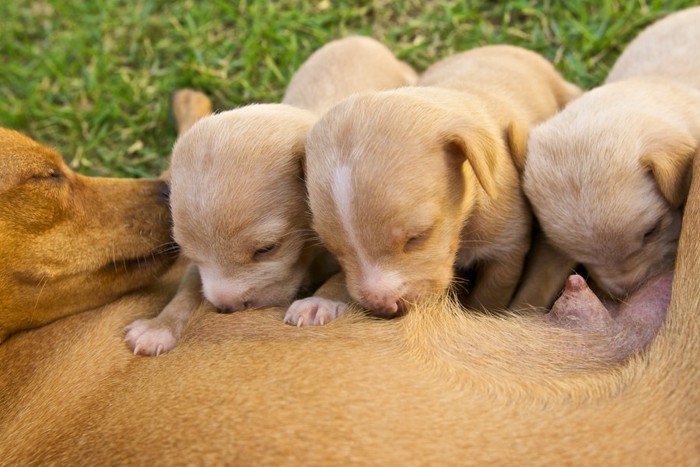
<point x="162" y="189"/>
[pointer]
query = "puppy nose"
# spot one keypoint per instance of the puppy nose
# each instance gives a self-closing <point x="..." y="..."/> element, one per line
<point x="383" y="304"/>
<point x="232" y="308"/>
<point x="620" y="285"/>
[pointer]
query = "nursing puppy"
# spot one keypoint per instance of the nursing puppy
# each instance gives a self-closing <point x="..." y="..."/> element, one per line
<point x="238" y="197"/>
<point x="405" y="184"/>
<point x="608" y="176"/>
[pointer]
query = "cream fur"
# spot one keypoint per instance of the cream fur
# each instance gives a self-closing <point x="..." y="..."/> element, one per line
<point x="608" y="176"/>
<point x="343" y="67"/>
<point x="667" y="48"/>
<point x="403" y="184"/>
<point x="435" y="387"/>
<point x="238" y="196"/>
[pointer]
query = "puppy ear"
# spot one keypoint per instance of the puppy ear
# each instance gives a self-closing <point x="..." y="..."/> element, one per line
<point x="670" y="159"/>
<point x="480" y="148"/>
<point x="299" y="155"/>
<point x="515" y="137"/>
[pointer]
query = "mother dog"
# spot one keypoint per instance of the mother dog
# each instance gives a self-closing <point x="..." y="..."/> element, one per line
<point x="434" y="387"/>
<point x="437" y="387"/>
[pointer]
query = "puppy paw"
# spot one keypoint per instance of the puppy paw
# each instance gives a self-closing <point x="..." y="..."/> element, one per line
<point x="314" y="311"/>
<point x="149" y="337"/>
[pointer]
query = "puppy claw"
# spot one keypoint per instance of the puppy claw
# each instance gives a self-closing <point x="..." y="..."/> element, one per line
<point x="150" y="337"/>
<point x="314" y="311"/>
<point x="129" y="327"/>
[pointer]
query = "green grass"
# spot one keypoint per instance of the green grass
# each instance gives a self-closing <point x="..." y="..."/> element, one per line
<point x="94" y="78"/>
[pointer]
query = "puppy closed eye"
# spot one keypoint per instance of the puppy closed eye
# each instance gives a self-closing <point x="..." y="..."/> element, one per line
<point x="653" y="231"/>
<point x="265" y="251"/>
<point x="416" y="241"/>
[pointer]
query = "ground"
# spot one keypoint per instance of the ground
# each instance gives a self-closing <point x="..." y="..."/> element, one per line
<point x="93" y="78"/>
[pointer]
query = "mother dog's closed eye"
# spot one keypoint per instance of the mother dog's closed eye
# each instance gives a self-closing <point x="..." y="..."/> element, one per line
<point x="69" y="242"/>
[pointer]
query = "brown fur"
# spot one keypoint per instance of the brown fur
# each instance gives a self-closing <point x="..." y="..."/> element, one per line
<point x="608" y="176"/>
<point x="68" y="242"/>
<point x="435" y="387"/>
<point x="238" y="196"/>
<point x="403" y="184"/>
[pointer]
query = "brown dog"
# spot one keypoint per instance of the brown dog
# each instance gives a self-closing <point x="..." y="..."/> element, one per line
<point x="238" y="195"/>
<point x="435" y="387"/>
<point x="405" y="184"/>
<point x="608" y="176"/>
<point x="69" y="243"/>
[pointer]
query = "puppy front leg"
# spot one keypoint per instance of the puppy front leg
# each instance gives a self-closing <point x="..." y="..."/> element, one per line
<point x="161" y="334"/>
<point x="544" y="275"/>
<point x="496" y="282"/>
<point x="323" y="307"/>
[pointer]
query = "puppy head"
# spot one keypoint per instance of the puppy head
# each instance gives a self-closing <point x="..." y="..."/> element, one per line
<point x="68" y="242"/>
<point x="239" y="205"/>
<point x="608" y="191"/>
<point x="389" y="191"/>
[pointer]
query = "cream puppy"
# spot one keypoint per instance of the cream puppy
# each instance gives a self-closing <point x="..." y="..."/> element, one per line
<point x="238" y="198"/>
<point x="343" y="67"/>
<point x="667" y="48"/>
<point x="608" y="176"/>
<point x="405" y="184"/>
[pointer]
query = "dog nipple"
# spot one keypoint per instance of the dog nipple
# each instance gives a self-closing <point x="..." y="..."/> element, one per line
<point x="578" y="307"/>
<point x="575" y="283"/>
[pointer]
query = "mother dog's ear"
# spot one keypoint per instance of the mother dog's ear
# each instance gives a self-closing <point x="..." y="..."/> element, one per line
<point x="669" y="158"/>
<point x="480" y="147"/>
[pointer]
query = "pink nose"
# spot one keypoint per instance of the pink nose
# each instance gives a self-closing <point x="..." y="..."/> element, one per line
<point x="384" y="304"/>
<point x="233" y="307"/>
